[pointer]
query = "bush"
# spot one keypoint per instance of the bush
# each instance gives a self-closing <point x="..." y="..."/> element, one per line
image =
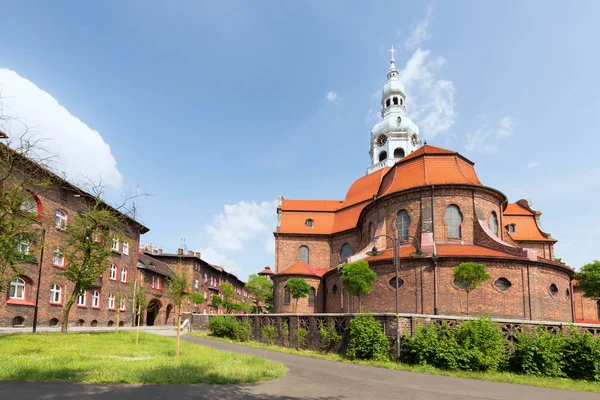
<point x="581" y="355"/>
<point x="367" y="339"/>
<point x="434" y="345"/>
<point x="227" y="326"/>
<point x="539" y="353"/>
<point x="484" y="345"/>
<point x="269" y="334"/>
<point x="301" y="334"/>
<point x="329" y="337"/>
<point x="285" y="334"/>
<point x="243" y="331"/>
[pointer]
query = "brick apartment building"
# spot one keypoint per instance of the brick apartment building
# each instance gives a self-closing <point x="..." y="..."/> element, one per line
<point x="417" y="192"/>
<point x="205" y="278"/>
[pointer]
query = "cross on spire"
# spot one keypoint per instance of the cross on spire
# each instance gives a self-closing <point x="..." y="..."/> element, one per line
<point x="392" y="50"/>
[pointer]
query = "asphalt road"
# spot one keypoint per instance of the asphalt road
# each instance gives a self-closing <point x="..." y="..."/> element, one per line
<point x="308" y="378"/>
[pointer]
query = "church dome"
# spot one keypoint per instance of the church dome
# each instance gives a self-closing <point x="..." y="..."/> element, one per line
<point x="392" y="87"/>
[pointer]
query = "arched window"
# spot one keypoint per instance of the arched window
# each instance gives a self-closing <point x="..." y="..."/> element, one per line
<point x="395" y="101"/>
<point x="387" y="103"/>
<point x="453" y="220"/>
<point x="125" y="247"/>
<point x="55" y="294"/>
<point x="286" y="295"/>
<point x="312" y="294"/>
<point x="382" y="155"/>
<point x="60" y="222"/>
<point x="370" y="231"/>
<point x="503" y="284"/>
<point x="401" y="101"/>
<point x="494" y="223"/>
<point x="345" y="252"/>
<point x="113" y="272"/>
<point x="82" y="299"/>
<point x="123" y="274"/>
<point x="511" y="227"/>
<point x="553" y="289"/>
<point x="31" y="205"/>
<point x="22" y="246"/>
<point x="17" y="289"/>
<point x="303" y="254"/>
<point x="402" y="224"/>
<point x="111" y="301"/>
<point x="309" y="223"/>
<point x="399" y="153"/>
<point x="96" y="299"/>
<point x="115" y="244"/>
<point x="58" y="258"/>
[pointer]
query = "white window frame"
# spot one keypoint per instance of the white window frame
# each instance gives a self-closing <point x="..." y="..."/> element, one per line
<point x="61" y="219"/>
<point x="124" y="272"/>
<point x="55" y="294"/>
<point x="196" y="284"/>
<point x="113" y="272"/>
<point x="111" y="301"/>
<point x="153" y="280"/>
<point x="23" y="247"/>
<point x="126" y="247"/>
<point x="16" y="286"/>
<point x="115" y="244"/>
<point x="122" y="304"/>
<point x="82" y="299"/>
<point x="96" y="299"/>
<point x="58" y="259"/>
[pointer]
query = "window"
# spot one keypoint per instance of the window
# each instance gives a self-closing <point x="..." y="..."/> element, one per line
<point x="82" y="299"/>
<point x="96" y="299"/>
<point x="345" y="252"/>
<point x="511" y="227"/>
<point x="115" y="244"/>
<point x="395" y="101"/>
<point x="396" y="284"/>
<point x="60" y="221"/>
<point x="399" y="153"/>
<point x="382" y="155"/>
<point x="158" y="283"/>
<point x="303" y="254"/>
<point x="286" y="295"/>
<point x="17" y="289"/>
<point x="126" y="247"/>
<point x="598" y="308"/>
<point x="494" y="223"/>
<point x="503" y="284"/>
<point x="312" y="294"/>
<point x="387" y="103"/>
<point x="402" y="224"/>
<point x="123" y="274"/>
<point x="153" y="282"/>
<point x="459" y="285"/>
<point x="113" y="272"/>
<point x="55" y="294"/>
<point x="122" y="303"/>
<point x="30" y="205"/>
<point x="111" y="301"/>
<point x="58" y="258"/>
<point x="196" y="284"/>
<point x="205" y="278"/>
<point x="401" y="101"/>
<point x="23" y="246"/>
<point x="553" y="289"/>
<point x="370" y="231"/>
<point x="309" y="223"/>
<point x="453" y="220"/>
<point x="334" y="289"/>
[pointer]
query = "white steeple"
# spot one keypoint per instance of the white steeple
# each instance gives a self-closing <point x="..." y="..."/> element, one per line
<point x="396" y="135"/>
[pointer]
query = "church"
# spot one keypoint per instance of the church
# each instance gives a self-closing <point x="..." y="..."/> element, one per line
<point x="429" y="204"/>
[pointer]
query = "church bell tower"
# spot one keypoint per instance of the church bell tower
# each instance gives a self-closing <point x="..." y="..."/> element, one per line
<point x="396" y="136"/>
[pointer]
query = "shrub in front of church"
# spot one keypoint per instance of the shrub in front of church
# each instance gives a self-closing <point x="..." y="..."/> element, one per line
<point x="269" y="334"/>
<point x="329" y="337"/>
<point x="301" y="335"/>
<point x="285" y="334"/>
<point x="367" y="339"/>
<point x="581" y="355"/>
<point x="226" y="326"/>
<point x="539" y="353"/>
<point x="483" y="343"/>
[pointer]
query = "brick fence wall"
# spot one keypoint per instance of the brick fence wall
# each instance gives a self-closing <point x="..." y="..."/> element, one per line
<point x="408" y="325"/>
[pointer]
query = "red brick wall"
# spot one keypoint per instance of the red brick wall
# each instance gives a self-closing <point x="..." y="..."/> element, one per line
<point x="287" y="251"/>
<point x="279" y="283"/>
<point x="585" y="309"/>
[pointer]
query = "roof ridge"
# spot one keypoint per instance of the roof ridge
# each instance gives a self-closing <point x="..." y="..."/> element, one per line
<point x="460" y="169"/>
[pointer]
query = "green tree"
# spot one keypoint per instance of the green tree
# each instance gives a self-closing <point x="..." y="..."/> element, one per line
<point x="469" y="276"/>
<point x="589" y="280"/>
<point x="139" y="296"/>
<point x="357" y="278"/>
<point x="88" y="249"/>
<point x="228" y="293"/>
<point x="260" y="287"/>
<point x="299" y="289"/>
<point x="178" y="288"/>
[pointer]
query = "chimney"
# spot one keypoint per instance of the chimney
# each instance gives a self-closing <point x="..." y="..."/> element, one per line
<point x="179" y="252"/>
<point x="190" y="253"/>
<point x="159" y="251"/>
<point x="198" y="254"/>
<point x="148" y="248"/>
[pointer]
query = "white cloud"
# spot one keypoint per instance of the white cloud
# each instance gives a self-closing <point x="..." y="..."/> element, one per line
<point x="430" y="100"/>
<point x="486" y="139"/>
<point x="270" y="245"/>
<point x="81" y="151"/>
<point x="532" y="164"/>
<point x="215" y="257"/>
<point x="332" y="96"/>
<point x="418" y="30"/>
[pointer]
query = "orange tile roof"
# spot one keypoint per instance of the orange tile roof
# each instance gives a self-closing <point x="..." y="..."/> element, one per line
<point x="516" y="209"/>
<point x="266" y="271"/>
<point x="295" y="222"/>
<point x="365" y="187"/>
<point x="524" y="218"/>
<point x="302" y="268"/>
<point x="310" y="205"/>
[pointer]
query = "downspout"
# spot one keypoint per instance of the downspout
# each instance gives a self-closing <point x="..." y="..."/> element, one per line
<point x="529" y="292"/>
<point x="434" y="257"/>
<point x="524" y="295"/>
<point x="572" y="302"/>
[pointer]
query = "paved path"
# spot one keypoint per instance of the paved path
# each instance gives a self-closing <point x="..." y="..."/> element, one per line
<point x="308" y="378"/>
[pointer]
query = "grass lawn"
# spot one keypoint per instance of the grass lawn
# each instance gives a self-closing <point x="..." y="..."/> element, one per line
<point x="507" y="377"/>
<point x="111" y="358"/>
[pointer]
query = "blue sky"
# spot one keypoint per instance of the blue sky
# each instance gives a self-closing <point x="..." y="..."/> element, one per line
<point x="216" y="108"/>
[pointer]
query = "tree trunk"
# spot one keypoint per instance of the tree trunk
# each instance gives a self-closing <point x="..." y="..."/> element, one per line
<point x="118" y="318"/>
<point x="359" y="305"/>
<point x="296" y="306"/>
<point x="64" y="325"/>
<point x="139" y="317"/>
<point x="467" y="304"/>
<point x="178" y="330"/>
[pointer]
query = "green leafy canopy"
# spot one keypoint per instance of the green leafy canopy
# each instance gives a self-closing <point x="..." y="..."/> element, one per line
<point x="470" y="275"/>
<point x="298" y="287"/>
<point x="589" y="280"/>
<point x="357" y="278"/>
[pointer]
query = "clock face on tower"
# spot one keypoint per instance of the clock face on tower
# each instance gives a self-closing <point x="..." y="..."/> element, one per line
<point x="381" y="140"/>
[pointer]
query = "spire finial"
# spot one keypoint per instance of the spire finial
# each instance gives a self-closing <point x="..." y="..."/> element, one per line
<point x="392" y="50"/>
